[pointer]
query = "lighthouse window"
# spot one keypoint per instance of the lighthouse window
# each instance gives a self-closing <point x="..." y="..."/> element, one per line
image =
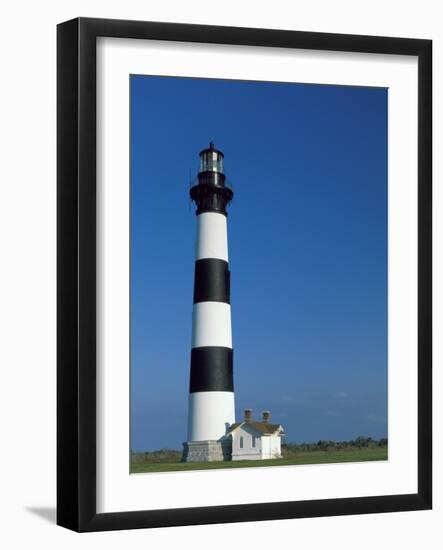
<point x="211" y="162"/>
<point x="253" y="440"/>
<point x="241" y="442"/>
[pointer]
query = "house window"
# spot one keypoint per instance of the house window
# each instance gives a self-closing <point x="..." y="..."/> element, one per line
<point x="241" y="442"/>
<point x="253" y="440"/>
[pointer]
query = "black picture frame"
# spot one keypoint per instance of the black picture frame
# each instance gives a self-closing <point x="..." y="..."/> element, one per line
<point x="76" y="273"/>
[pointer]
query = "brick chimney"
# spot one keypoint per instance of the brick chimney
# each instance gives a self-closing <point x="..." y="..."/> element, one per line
<point x="248" y="415"/>
<point x="266" y="415"/>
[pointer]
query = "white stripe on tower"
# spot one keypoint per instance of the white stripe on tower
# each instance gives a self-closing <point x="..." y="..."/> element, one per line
<point x="211" y="325"/>
<point x="212" y="236"/>
<point x="210" y="412"/>
<point x="211" y="397"/>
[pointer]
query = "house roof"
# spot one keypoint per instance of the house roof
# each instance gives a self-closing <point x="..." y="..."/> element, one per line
<point x="262" y="427"/>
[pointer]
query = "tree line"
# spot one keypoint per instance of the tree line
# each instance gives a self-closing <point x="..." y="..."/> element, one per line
<point x="360" y="442"/>
<point x="172" y="455"/>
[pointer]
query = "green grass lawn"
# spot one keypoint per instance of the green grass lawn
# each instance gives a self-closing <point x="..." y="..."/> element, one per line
<point x="313" y="457"/>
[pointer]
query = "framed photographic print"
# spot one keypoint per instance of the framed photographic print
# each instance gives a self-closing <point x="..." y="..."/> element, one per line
<point x="244" y="274"/>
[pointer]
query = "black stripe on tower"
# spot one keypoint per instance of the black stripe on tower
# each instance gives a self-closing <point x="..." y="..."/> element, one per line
<point x="211" y="369"/>
<point x="212" y="281"/>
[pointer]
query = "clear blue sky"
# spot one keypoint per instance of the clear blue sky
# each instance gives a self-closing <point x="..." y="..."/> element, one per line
<point x="308" y="252"/>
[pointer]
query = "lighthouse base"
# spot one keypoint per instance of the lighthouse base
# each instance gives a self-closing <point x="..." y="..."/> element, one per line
<point x="207" y="451"/>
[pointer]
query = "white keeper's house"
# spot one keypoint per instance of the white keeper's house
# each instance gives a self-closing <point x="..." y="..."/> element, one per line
<point x="256" y="440"/>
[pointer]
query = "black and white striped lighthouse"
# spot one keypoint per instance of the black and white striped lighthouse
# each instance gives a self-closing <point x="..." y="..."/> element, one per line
<point x="211" y="389"/>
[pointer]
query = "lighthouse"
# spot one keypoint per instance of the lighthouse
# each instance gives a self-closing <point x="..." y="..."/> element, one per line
<point x="211" y="409"/>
